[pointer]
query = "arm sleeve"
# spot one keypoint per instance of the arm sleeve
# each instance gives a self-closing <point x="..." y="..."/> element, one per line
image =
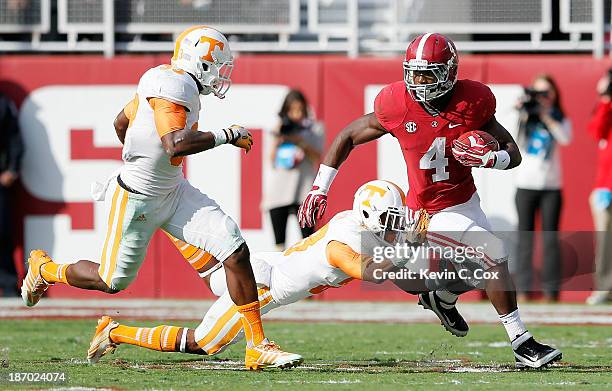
<point x="346" y="259"/>
<point x="169" y="116"/>
<point x="601" y="121"/>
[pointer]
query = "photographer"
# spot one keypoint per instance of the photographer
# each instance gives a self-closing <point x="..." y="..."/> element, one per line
<point x="600" y="127"/>
<point x="543" y="128"/>
<point x="295" y="156"/>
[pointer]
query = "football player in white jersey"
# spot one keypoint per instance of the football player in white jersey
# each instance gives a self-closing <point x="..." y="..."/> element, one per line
<point x="343" y="250"/>
<point x="158" y="128"/>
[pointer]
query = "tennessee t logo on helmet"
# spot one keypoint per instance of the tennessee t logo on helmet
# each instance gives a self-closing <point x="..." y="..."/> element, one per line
<point x="205" y="53"/>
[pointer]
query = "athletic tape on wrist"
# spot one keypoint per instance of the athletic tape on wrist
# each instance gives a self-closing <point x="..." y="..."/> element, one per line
<point x="502" y="160"/>
<point x="325" y="177"/>
<point x="183" y="340"/>
<point x="221" y="136"/>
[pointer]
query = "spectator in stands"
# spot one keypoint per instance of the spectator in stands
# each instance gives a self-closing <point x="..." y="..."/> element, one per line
<point x="11" y="150"/>
<point x="295" y="156"/>
<point x="543" y="128"/>
<point x="600" y="127"/>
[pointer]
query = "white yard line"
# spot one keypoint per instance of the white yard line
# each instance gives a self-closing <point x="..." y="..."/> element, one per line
<point x="317" y="311"/>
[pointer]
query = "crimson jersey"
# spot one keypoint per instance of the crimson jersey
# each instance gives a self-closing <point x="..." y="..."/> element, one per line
<point x="436" y="179"/>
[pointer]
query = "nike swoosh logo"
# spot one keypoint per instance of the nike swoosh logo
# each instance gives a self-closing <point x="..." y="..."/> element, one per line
<point x="449" y="322"/>
<point x="453" y="125"/>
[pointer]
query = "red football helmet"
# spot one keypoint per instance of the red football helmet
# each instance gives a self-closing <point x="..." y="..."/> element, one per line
<point x="435" y="54"/>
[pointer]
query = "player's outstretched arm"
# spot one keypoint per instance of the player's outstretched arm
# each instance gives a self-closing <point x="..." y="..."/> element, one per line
<point x="360" y="131"/>
<point x="361" y="266"/>
<point x="364" y="129"/>
<point x="188" y="142"/>
<point x="178" y="140"/>
<point x="506" y="141"/>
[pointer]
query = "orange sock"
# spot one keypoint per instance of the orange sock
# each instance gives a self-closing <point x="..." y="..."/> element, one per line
<point x="196" y="257"/>
<point x="251" y="321"/>
<point x="54" y="272"/>
<point x="161" y="338"/>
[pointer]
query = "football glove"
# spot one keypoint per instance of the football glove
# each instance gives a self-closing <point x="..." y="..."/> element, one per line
<point x="475" y="156"/>
<point x="239" y="136"/>
<point x="313" y="207"/>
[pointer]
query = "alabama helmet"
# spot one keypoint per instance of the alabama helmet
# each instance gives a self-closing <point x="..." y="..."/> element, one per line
<point x="381" y="207"/>
<point x="436" y="54"/>
<point x="205" y="53"/>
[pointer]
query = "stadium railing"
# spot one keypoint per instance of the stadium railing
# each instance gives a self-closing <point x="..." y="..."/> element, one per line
<point x="350" y="26"/>
<point x="578" y="17"/>
<point x="29" y="17"/>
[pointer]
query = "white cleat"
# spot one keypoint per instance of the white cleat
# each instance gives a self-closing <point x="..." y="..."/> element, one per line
<point x="101" y="343"/>
<point x="269" y="355"/>
<point x="33" y="285"/>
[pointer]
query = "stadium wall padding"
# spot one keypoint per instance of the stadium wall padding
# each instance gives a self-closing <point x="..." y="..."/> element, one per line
<point x="71" y="101"/>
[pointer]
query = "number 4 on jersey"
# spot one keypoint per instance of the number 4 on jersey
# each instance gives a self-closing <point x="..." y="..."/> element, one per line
<point x="434" y="158"/>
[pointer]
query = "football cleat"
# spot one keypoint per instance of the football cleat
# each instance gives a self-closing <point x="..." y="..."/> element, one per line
<point x="529" y="353"/>
<point x="450" y="318"/>
<point x="33" y="285"/>
<point x="101" y="343"/>
<point x="269" y="355"/>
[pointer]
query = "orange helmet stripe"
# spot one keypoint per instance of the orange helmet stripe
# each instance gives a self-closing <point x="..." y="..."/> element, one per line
<point x="400" y="191"/>
<point x="180" y="38"/>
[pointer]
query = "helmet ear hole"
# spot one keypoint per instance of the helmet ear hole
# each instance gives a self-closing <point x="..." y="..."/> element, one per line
<point x="205" y="67"/>
<point x="365" y="214"/>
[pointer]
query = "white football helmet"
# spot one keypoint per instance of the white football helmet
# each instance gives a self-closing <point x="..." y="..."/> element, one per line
<point x="205" y="53"/>
<point x="381" y="206"/>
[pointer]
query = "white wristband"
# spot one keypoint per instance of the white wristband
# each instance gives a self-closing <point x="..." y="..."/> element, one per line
<point x="183" y="341"/>
<point x="220" y="136"/>
<point x="502" y="160"/>
<point x="325" y="177"/>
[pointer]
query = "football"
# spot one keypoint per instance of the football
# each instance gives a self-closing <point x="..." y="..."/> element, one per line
<point x="477" y="140"/>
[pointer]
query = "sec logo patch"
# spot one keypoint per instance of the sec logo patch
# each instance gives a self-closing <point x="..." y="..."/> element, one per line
<point x="411" y="127"/>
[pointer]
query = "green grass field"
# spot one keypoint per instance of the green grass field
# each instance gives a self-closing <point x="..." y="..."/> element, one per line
<point x="338" y="355"/>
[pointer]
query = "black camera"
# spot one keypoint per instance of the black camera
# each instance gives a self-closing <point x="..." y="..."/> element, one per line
<point x="530" y="101"/>
<point x="289" y="127"/>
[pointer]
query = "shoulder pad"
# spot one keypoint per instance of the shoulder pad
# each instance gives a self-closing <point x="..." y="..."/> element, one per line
<point x="480" y="103"/>
<point x="345" y="228"/>
<point x="390" y="105"/>
<point x="172" y="86"/>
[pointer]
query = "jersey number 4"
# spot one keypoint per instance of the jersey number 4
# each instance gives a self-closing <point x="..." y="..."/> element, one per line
<point x="434" y="159"/>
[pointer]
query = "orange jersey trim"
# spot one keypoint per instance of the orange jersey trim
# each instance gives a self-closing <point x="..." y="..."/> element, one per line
<point x="131" y="108"/>
<point x="345" y="258"/>
<point x="169" y="116"/>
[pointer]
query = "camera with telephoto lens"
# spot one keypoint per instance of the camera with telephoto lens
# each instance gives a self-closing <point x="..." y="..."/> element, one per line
<point x="530" y="102"/>
<point x="289" y="127"/>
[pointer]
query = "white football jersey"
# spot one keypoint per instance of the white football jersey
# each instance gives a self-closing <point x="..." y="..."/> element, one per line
<point x="148" y="169"/>
<point x="304" y="270"/>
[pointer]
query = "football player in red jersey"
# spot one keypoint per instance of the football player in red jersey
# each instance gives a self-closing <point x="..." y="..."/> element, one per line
<point x="427" y="112"/>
